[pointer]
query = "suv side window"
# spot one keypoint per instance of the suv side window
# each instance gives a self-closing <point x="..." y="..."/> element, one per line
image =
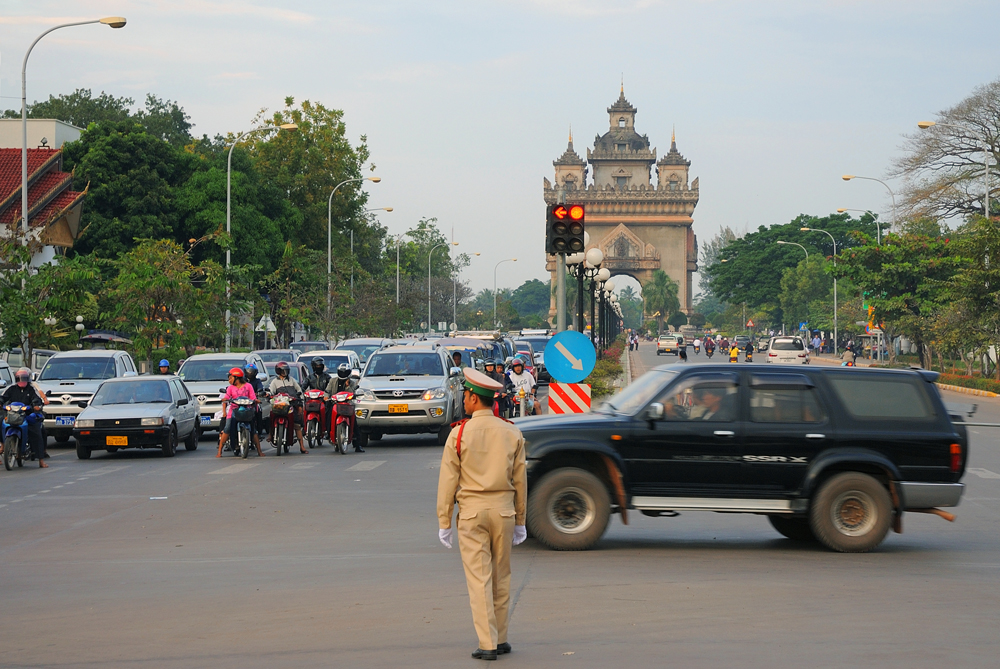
<point x="129" y="367"/>
<point x="702" y="397"/>
<point x="866" y="396"/>
<point x="784" y="398"/>
<point x="119" y="367"/>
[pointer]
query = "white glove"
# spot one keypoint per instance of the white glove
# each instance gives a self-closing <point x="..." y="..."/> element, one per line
<point x="444" y="536"/>
<point x="520" y="534"/>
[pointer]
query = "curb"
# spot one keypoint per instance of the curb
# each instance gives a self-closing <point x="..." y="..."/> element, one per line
<point x="627" y="366"/>
<point x="966" y="391"/>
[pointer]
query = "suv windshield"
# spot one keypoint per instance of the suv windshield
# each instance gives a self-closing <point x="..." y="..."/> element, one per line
<point x="638" y="393"/>
<point x="787" y="345"/>
<point x="405" y="364"/>
<point x="83" y="369"/>
<point x="209" y="370"/>
<point x="276" y="356"/>
<point x="132" y="392"/>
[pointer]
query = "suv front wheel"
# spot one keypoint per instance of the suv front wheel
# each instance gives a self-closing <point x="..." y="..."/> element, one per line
<point x="568" y="510"/>
<point x="851" y="513"/>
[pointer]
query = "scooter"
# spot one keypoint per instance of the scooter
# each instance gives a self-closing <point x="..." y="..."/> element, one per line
<point x="283" y="421"/>
<point x="343" y="421"/>
<point x="315" y="407"/>
<point x="244" y="410"/>
<point x="709" y="352"/>
<point x="16" y="447"/>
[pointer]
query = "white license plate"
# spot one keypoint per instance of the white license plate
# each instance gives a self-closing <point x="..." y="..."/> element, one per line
<point x="205" y="420"/>
<point x="65" y="420"/>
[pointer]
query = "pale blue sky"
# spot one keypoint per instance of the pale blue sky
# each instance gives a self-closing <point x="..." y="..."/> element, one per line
<point x="466" y="104"/>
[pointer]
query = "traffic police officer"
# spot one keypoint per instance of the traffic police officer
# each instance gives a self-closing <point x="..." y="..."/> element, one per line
<point x="483" y="470"/>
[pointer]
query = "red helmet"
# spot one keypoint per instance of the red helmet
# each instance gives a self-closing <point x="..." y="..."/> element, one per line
<point x="236" y="372"/>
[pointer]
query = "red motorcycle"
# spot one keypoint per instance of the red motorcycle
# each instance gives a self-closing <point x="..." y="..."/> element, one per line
<point x="343" y="421"/>
<point x="315" y="406"/>
<point x="282" y="421"/>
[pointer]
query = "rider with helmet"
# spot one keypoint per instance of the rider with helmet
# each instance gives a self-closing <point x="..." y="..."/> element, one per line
<point x="238" y="387"/>
<point x="250" y="372"/>
<point x="519" y="378"/>
<point x="24" y="392"/>
<point x="284" y="383"/>
<point x="341" y="383"/>
<point x="164" y="366"/>
<point x="319" y="380"/>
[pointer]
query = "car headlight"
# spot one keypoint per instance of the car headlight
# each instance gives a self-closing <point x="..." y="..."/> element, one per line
<point x="151" y="422"/>
<point x="365" y="394"/>
<point x="435" y="394"/>
<point x="84" y="422"/>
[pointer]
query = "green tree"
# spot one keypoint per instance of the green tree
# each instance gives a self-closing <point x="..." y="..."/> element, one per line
<point x="660" y="297"/>
<point x="802" y="285"/>
<point x="531" y="298"/>
<point x="677" y="319"/>
<point x="631" y="304"/>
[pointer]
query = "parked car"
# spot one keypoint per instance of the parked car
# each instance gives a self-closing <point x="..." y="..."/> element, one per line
<point x="278" y="354"/>
<point x="148" y="412"/>
<point x="205" y="374"/>
<point x="296" y="370"/>
<point x="364" y="347"/>
<point x="833" y="455"/>
<point x="788" y="350"/>
<point x="669" y="343"/>
<point x="408" y="390"/>
<point x="72" y="377"/>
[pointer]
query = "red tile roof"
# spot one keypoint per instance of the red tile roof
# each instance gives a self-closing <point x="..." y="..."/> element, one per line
<point x="49" y="191"/>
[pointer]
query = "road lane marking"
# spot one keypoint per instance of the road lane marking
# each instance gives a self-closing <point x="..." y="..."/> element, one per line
<point x="304" y="465"/>
<point x="101" y="471"/>
<point x="982" y="473"/>
<point x="236" y="469"/>
<point x="366" y="466"/>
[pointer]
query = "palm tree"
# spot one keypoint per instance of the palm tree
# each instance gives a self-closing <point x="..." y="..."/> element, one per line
<point x="660" y="297"/>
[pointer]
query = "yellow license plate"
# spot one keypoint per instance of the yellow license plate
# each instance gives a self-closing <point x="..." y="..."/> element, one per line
<point x="117" y="441"/>
<point x="399" y="408"/>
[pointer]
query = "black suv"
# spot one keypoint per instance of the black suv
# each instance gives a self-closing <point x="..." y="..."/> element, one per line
<point x="834" y="455"/>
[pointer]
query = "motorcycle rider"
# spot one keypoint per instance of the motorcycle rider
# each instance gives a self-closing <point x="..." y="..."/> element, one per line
<point x="734" y="353"/>
<point x="238" y="387"/>
<point x="284" y="383"/>
<point x="24" y="392"/>
<point x="697" y="345"/>
<point x="495" y="372"/>
<point x="258" y="388"/>
<point x="748" y="352"/>
<point x="343" y="383"/>
<point x="319" y="380"/>
<point x="709" y="346"/>
<point x="164" y="366"/>
<point x="519" y="378"/>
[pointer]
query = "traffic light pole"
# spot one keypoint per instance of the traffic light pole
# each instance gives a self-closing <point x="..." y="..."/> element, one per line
<point x="561" y="278"/>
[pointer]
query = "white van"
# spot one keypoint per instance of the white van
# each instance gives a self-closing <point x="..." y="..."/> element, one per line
<point x="788" y="350"/>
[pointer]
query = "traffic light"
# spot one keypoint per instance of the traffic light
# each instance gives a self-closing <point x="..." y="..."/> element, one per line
<point x="564" y="228"/>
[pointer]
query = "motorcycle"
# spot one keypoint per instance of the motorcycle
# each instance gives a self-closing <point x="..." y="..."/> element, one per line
<point x="524" y="404"/>
<point x="315" y="407"/>
<point x="16" y="447"/>
<point x="709" y="352"/>
<point x="343" y="428"/>
<point x="283" y="421"/>
<point x="244" y="410"/>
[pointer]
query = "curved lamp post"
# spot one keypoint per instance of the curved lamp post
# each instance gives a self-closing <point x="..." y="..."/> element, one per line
<point x="895" y="221"/>
<point x="495" y="288"/>
<point x="878" y="225"/>
<point x="329" y="238"/>
<point x="114" y="22"/>
<point x="431" y="252"/>
<point x="924" y="125"/>
<point x="229" y="216"/>
<point x="796" y="244"/>
<point x="835" y="341"/>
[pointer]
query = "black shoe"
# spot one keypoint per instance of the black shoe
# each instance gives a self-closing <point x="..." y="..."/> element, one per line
<point x="503" y="648"/>
<point x="480" y="654"/>
<point x="358" y="449"/>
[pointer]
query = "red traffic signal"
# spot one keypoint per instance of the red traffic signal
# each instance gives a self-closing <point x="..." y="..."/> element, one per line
<point x="576" y="212"/>
<point x="560" y="212"/>
<point x="564" y="228"/>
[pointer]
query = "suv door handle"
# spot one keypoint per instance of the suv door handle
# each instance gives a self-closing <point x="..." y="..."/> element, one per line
<point x="816" y="436"/>
<point x="724" y="433"/>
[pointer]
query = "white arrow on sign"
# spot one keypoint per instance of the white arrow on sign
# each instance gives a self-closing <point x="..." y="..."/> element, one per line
<point x="576" y="363"/>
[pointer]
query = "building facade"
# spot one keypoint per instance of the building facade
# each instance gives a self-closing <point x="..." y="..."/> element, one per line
<point x="639" y="225"/>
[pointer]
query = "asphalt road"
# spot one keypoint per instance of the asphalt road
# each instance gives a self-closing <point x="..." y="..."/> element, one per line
<point x="132" y="560"/>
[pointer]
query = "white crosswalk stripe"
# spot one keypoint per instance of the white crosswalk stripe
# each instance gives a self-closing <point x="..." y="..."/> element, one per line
<point x="235" y="469"/>
<point x="983" y="473"/>
<point x="366" y="466"/>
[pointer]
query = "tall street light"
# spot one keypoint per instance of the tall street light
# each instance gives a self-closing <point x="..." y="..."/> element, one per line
<point x="834" y="281"/>
<point x="329" y="239"/>
<point x="878" y="225"/>
<point x="454" y="295"/>
<point x="495" y="288"/>
<point x="796" y="244"/>
<point x="229" y="216"/>
<point x="429" y="254"/>
<point x="923" y="125"/>
<point x="399" y="239"/>
<point x="895" y="221"/>
<point x="114" y="22"/>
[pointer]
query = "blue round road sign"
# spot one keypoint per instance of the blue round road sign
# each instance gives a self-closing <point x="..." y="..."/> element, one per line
<point x="570" y="357"/>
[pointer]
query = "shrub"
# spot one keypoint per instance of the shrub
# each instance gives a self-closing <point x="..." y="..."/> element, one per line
<point x="976" y="382"/>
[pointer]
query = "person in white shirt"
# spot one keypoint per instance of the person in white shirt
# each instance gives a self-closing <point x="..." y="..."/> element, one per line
<point x="284" y="383"/>
<point x="517" y="378"/>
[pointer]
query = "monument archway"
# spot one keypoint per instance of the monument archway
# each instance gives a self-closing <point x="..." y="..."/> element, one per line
<point x="638" y="225"/>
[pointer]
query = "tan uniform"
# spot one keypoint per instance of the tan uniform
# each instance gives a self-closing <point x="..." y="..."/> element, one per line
<point x="488" y="480"/>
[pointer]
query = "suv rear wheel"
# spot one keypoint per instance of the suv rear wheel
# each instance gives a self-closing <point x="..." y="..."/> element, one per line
<point x="851" y="513"/>
<point x="568" y="510"/>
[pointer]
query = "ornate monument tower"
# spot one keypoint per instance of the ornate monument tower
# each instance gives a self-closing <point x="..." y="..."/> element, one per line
<point x="640" y="227"/>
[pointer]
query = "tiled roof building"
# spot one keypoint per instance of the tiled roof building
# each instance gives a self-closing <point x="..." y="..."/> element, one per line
<point x="53" y="206"/>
